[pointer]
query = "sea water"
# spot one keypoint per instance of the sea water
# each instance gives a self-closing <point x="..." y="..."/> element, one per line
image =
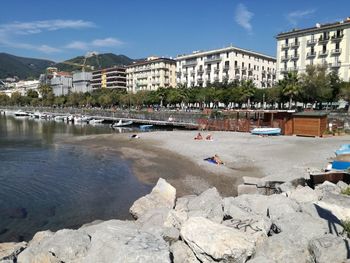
<point x="45" y="184"/>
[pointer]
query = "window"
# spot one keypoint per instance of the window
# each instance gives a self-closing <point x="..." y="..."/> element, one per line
<point x="337" y="46"/>
<point x="286" y="41"/>
<point x="227" y="53"/>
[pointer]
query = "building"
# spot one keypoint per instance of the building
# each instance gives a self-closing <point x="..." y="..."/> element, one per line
<point x="22" y="87"/>
<point x="151" y="74"/>
<point x="61" y="84"/>
<point x="110" y="78"/>
<point x="225" y="65"/>
<point x="326" y="44"/>
<point x="82" y="82"/>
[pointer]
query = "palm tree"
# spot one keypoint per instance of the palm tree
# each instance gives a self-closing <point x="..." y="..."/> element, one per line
<point x="247" y="91"/>
<point x="290" y="86"/>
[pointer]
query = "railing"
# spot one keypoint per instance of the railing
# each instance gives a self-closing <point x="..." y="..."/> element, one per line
<point x="212" y="59"/>
<point x="311" y="42"/>
<point x="294" y="57"/>
<point x="323" y="53"/>
<point x="310" y="54"/>
<point x="284" y="58"/>
<point x="226" y="68"/>
<point x="336" y="51"/>
<point x="200" y="71"/>
<point x="336" y="37"/>
<point x="295" y="44"/>
<point x="323" y="39"/>
<point x="336" y="64"/>
<point x="190" y="63"/>
<point x="293" y="69"/>
<point x="285" y="46"/>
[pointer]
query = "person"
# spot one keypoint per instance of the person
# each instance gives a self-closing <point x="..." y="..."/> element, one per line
<point x="209" y="137"/>
<point x="217" y="159"/>
<point x="198" y="137"/>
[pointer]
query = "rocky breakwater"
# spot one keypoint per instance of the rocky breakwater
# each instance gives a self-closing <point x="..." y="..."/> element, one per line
<point x="298" y="224"/>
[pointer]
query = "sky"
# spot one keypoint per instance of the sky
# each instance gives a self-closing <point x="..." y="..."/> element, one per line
<point x="60" y="30"/>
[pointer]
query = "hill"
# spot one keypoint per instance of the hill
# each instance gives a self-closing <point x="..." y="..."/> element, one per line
<point x="22" y="67"/>
<point x="100" y="61"/>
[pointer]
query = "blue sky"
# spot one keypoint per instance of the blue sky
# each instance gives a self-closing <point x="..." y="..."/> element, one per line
<point x="60" y="30"/>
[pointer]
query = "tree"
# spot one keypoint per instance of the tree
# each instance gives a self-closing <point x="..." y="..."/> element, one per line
<point x="32" y="94"/>
<point x="16" y="98"/>
<point x="44" y="90"/>
<point x="290" y="86"/>
<point x="345" y="93"/>
<point x="247" y="91"/>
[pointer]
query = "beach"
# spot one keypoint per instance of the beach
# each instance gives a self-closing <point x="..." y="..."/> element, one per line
<point x="178" y="158"/>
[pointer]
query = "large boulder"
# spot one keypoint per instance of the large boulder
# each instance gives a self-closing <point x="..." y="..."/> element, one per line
<point x="208" y="204"/>
<point x="329" y="248"/>
<point x="179" y="215"/>
<point x="212" y="242"/>
<point x="9" y="251"/>
<point x="338" y="205"/>
<point x="327" y="187"/>
<point x="65" y="245"/>
<point x="162" y="195"/>
<point x="304" y="195"/>
<point x="181" y="253"/>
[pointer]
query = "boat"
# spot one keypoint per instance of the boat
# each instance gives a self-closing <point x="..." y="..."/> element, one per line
<point x="61" y="118"/>
<point x="96" y="121"/>
<point x="121" y="123"/>
<point x="146" y="126"/>
<point x="80" y="119"/>
<point x="340" y="165"/>
<point x="344" y="149"/>
<point x="266" y="131"/>
<point x="21" y="113"/>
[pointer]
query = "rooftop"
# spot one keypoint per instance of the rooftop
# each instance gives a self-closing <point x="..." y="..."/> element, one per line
<point x="150" y="60"/>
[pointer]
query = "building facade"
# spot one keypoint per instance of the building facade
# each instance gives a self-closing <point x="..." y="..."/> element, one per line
<point x="327" y="44"/>
<point x="151" y="74"/>
<point x="61" y="84"/>
<point x="82" y="82"/>
<point x="110" y="78"/>
<point x="225" y="65"/>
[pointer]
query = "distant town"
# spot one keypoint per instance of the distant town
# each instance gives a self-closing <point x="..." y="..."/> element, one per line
<point x="324" y="45"/>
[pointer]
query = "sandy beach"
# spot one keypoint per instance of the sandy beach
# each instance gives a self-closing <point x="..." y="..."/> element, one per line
<point x="178" y="158"/>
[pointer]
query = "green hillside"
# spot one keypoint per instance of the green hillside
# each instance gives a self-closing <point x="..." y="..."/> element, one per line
<point x="22" y="67"/>
<point x="100" y="61"/>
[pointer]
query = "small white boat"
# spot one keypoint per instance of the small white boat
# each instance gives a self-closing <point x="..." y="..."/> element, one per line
<point x="70" y="118"/>
<point x="21" y="113"/>
<point x="121" y="123"/>
<point x="79" y="119"/>
<point x="61" y="118"/>
<point x="96" y="121"/>
<point x="266" y="131"/>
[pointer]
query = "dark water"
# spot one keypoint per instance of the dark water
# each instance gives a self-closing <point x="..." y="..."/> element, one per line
<point x="47" y="185"/>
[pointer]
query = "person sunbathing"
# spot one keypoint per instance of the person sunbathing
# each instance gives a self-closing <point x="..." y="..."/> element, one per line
<point x="217" y="159"/>
<point x="209" y="137"/>
<point x="198" y="137"/>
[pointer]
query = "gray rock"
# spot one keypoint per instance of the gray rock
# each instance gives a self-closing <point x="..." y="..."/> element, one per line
<point x="171" y="234"/>
<point x="327" y="187"/>
<point x="304" y="195"/>
<point x="208" y="204"/>
<point x="123" y="241"/>
<point x="153" y="218"/>
<point x="162" y="195"/>
<point x="213" y="242"/>
<point x="329" y="248"/>
<point x="9" y="251"/>
<point x="285" y="187"/>
<point x="182" y="253"/>
<point x="252" y="180"/>
<point x="342" y="185"/>
<point x="261" y="259"/>
<point x="338" y="205"/>
<point x="247" y="189"/>
<point x="65" y="245"/>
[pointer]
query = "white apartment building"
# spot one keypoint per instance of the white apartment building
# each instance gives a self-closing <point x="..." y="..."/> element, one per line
<point x="151" y="74"/>
<point x="326" y="44"/>
<point x="82" y="82"/>
<point x="22" y="86"/>
<point x="225" y="65"/>
<point x="111" y="78"/>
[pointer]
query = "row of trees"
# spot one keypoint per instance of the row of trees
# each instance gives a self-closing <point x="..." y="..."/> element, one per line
<point x="314" y="86"/>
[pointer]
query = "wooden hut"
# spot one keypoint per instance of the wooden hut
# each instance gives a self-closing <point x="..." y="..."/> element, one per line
<point x="310" y="123"/>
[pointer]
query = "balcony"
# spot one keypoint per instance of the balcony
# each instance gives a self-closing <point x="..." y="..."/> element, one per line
<point x="190" y="63"/>
<point x="237" y="67"/>
<point x="178" y="74"/>
<point x="336" y="51"/>
<point x="284" y="46"/>
<point x="335" y="64"/>
<point x="323" y="40"/>
<point x="336" y="37"/>
<point x="200" y="80"/>
<point x="213" y="59"/>
<point x="311" y="54"/>
<point x="295" y="44"/>
<point x="293" y="69"/>
<point x="207" y="70"/>
<point x="237" y="76"/>
<point x="284" y="70"/>
<point x="294" y="57"/>
<point x="216" y="79"/>
<point x="311" y="42"/>
<point x="216" y="70"/>
<point x="284" y="58"/>
<point x="200" y="71"/>
<point x="323" y="53"/>
<point x="226" y="68"/>
<point x="192" y="74"/>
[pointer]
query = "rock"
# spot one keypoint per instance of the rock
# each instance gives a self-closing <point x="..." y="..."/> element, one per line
<point x="304" y="195"/>
<point x="285" y="187"/>
<point x="182" y="253"/>
<point x="329" y="248"/>
<point x="278" y="249"/>
<point x="162" y="195"/>
<point x="213" y="242"/>
<point x="326" y="187"/>
<point x="208" y="204"/>
<point x="171" y="234"/>
<point x="9" y="251"/>
<point x="342" y="185"/>
<point x="153" y="218"/>
<point x="328" y="219"/>
<point x="247" y="189"/>
<point x="65" y="245"/>
<point x="252" y="180"/>
<point x="123" y="241"/>
<point x="40" y="236"/>
<point x="273" y="206"/>
<point x="338" y="205"/>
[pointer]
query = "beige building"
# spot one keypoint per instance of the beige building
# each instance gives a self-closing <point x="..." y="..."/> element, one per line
<point x="151" y="74"/>
<point x="326" y="44"/>
<point x="110" y="78"/>
<point x="225" y="65"/>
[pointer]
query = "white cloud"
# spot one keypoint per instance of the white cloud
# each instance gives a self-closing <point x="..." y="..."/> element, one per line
<point x="106" y="42"/>
<point x="243" y="17"/>
<point x="295" y="16"/>
<point x="35" y="27"/>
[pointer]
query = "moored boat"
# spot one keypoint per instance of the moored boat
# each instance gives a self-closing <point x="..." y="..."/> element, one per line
<point x="121" y="123"/>
<point x="21" y="113"/>
<point x="266" y="131"/>
<point x="96" y="121"/>
<point x="344" y="149"/>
